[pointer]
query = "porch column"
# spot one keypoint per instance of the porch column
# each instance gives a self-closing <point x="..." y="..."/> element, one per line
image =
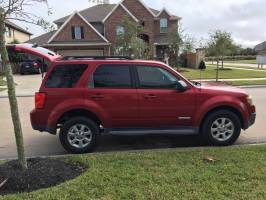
<point x="155" y="51"/>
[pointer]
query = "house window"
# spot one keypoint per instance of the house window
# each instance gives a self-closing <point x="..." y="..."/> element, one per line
<point x="120" y="30"/>
<point x="163" y="25"/>
<point x="77" y="33"/>
<point x="8" y="32"/>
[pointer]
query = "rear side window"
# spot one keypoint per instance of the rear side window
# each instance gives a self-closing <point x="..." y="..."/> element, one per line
<point x="65" y="76"/>
<point x="111" y="76"/>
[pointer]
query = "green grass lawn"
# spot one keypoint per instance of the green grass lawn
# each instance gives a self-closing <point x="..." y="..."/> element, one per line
<point x="210" y="73"/>
<point x="246" y="83"/>
<point x="237" y="173"/>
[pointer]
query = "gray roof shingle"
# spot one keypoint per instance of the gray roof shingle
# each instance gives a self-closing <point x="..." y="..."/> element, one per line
<point x="42" y="39"/>
<point x="93" y="14"/>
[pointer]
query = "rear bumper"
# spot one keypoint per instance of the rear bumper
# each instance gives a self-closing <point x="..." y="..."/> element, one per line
<point x="39" y="122"/>
<point x="43" y="128"/>
<point x="250" y="121"/>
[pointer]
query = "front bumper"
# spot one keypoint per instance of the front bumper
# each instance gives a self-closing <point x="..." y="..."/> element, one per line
<point x="250" y="121"/>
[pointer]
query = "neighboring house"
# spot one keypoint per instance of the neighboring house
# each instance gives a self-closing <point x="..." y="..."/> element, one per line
<point x="93" y="31"/>
<point x="261" y="57"/>
<point x="15" y="32"/>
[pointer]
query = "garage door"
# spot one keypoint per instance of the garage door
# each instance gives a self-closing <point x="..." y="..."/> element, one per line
<point x="81" y="52"/>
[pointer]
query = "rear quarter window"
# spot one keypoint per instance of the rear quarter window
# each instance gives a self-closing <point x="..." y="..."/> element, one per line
<point x="65" y="76"/>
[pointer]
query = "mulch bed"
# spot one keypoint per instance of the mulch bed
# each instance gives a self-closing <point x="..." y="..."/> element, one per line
<point x="41" y="173"/>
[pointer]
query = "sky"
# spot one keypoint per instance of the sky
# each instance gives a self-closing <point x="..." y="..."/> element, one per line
<point x="245" y="19"/>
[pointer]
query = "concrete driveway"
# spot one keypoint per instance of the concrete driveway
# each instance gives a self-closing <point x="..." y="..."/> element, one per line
<point x="38" y="144"/>
<point x="26" y="85"/>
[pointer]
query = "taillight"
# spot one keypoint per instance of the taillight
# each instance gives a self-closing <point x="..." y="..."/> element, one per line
<point x="40" y="100"/>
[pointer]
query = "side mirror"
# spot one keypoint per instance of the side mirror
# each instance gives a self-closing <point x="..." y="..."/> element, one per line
<point x="181" y="86"/>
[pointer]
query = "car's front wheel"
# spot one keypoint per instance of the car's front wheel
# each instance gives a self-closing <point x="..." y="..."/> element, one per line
<point x="79" y="135"/>
<point x="221" y="128"/>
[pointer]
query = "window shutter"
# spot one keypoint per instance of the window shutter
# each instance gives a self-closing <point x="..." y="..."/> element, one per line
<point x="73" y="32"/>
<point x="82" y="32"/>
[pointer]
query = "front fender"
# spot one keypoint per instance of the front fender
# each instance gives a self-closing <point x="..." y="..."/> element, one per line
<point x="220" y="101"/>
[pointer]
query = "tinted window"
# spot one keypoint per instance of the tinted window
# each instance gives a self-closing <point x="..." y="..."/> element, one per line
<point x="111" y="76"/>
<point x="65" y="76"/>
<point x="155" y="78"/>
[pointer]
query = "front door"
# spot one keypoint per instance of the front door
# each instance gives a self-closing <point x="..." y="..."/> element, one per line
<point x="111" y="89"/>
<point x="161" y="104"/>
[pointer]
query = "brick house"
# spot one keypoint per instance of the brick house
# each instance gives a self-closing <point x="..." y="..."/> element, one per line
<point x="93" y="31"/>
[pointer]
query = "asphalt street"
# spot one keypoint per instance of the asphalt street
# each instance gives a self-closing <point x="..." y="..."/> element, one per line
<point x="43" y="144"/>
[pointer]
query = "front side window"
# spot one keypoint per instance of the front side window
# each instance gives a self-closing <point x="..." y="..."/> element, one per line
<point x="65" y="76"/>
<point x="155" y="78"/>
<point x="163" y="25"/>
<point x="77" y="32"/>
<point x="111" y="76"/>
<point x="120" y="30"/>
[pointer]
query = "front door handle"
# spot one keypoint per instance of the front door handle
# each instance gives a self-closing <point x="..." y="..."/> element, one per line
<point x="97" y="96"/>
<point x="150" y="96"/>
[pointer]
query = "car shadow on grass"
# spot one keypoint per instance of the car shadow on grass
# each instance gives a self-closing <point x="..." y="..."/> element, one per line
<point x="127" y="143"/>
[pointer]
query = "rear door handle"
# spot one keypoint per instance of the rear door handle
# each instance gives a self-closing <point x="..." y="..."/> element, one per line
<point x="150" y="96"/>
<point x="97" y="96"/>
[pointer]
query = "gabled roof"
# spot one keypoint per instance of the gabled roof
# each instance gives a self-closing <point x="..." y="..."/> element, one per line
<point x="163" y="10"/>
<point x="147" y="8"/>
<point x="15" y="26"/>
<point x="68" y="20"/>
<point x="99" y="12"/>
<point x="93" y="14"/>
<point x="125" y="9"/>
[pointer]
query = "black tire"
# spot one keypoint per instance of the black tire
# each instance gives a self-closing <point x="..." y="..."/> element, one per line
<point x="64" y="135"/>
<point x="209" y="122"/>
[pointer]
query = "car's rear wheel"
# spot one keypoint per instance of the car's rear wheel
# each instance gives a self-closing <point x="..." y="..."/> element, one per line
<point x="221" y="128"/>
<point x="79" y="135"/>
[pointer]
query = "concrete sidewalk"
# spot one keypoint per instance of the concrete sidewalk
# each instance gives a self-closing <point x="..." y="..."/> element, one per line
<point x="237" y="64"/>
<point x="238" y="79"/>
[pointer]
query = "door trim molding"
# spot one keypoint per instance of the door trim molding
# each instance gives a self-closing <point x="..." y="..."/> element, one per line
<point x="153" y="131"/>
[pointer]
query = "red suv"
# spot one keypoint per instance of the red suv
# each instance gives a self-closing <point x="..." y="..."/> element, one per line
<point x="85" y="97"/>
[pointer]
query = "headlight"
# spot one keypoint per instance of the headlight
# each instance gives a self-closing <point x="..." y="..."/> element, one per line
<point x="249" y="100"/>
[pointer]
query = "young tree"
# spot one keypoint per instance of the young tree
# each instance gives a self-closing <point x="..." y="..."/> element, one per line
<point x="128" y="41"/>
<point x="220" y="44"/>
<point x="175" y="44"/>
<point x="16" y="10"/>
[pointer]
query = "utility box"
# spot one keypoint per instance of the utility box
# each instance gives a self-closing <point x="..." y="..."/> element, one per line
<point x="261" y="57"/>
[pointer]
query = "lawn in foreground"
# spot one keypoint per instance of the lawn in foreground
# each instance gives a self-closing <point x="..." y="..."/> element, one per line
<point x="237" y="173"/>
<point x="210" y="73"/>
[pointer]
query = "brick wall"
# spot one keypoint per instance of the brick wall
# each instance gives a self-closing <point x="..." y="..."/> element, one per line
<point x="66" y="34"/>
<point x="114" y="20"/>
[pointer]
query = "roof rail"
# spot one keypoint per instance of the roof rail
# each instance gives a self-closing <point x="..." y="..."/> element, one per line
<point x="97" y="58"/>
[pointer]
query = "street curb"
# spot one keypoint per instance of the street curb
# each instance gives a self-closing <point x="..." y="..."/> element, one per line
<point x="137" y="151"/>
<point x="19" y="96"/>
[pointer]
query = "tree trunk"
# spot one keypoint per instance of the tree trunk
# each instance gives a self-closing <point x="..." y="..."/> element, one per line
<point x="217" y="70"/>
<point x="222" y="62"/>
<point x="12" y="97"/>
